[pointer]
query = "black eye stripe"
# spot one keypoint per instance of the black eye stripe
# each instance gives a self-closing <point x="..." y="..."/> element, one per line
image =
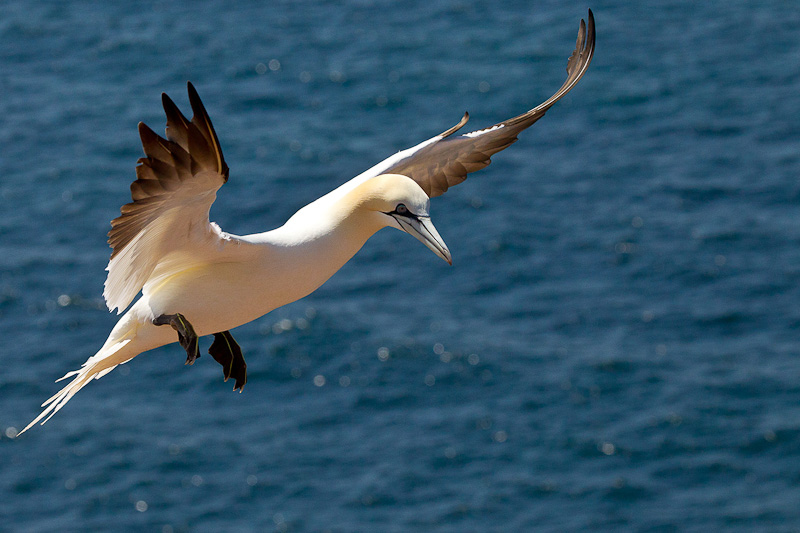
<point x="402" y="211"/>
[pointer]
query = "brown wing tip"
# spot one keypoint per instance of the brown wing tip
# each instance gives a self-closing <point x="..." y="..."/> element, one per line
<point x="457" y="127"/>
<point x="145" y="131"/>
<point x="203" y="122"/>
<point x="584" y="46"/>
<point x="198" y="108"/>
<point x="171" y="109"/>
<point x="590" y="36"/>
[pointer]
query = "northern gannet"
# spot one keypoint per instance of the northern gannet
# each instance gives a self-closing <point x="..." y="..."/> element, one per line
<point x="199" y="280"/>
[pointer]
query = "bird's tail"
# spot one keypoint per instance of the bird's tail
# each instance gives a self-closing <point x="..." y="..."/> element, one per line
<point x="97" y="366"/>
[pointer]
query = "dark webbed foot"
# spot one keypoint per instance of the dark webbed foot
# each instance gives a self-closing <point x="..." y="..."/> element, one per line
<point x="186" y="335"/>
<point x="226" y="352"/>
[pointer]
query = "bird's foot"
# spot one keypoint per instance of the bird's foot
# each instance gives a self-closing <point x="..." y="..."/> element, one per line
<point x="186" y="335"/>
<point x="226" y="352"/>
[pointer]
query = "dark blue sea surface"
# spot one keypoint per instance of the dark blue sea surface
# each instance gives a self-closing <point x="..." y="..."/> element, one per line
<point x="616" y="347"/>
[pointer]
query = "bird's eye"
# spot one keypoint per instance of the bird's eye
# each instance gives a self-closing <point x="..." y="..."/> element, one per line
<point x="401" y="209"/>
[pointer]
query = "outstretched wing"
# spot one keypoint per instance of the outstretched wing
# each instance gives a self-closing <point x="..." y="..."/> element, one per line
<point x="176" y="183"/>
<point x="443" y="161"/>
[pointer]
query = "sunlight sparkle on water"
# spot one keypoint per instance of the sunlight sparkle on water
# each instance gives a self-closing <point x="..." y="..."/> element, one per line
<point x="383" y="353"/>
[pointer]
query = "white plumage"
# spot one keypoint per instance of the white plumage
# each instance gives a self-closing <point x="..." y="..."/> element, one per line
<point x="202" y="281"/>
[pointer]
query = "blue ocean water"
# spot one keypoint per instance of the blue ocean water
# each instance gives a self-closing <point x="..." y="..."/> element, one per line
<point x="615" y="348"/>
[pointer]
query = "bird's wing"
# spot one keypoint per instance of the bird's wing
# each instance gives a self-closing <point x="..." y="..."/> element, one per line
<point x="443" y="161"/>
<point x="176" y="183"/>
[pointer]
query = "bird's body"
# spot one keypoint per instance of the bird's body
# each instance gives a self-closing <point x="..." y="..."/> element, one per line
<point x="201" y="280"/>
<point x="232" y="280"/>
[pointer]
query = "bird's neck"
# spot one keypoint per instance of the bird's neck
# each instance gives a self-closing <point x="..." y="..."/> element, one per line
<point x="314" y="244"/>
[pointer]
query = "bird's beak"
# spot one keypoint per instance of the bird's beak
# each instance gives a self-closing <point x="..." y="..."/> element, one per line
<point x="422" y="228"/>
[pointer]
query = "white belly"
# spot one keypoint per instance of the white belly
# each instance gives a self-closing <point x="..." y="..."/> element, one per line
<point x="224" y="292"/>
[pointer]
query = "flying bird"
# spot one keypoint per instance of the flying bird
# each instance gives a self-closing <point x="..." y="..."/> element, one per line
<point x="198" y="280"/>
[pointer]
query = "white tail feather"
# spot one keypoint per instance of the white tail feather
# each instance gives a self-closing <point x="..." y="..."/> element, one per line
<point x="95" y="367"/>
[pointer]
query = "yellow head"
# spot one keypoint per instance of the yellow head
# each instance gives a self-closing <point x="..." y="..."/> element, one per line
<point x="398" y="201"/>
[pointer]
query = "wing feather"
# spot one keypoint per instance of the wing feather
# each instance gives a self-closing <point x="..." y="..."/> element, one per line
<point x="445" y="161"/>
<point x="176" y="183"/>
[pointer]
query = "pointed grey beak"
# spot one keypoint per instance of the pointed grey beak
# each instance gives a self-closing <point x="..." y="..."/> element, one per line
<point x="422" y="228"/>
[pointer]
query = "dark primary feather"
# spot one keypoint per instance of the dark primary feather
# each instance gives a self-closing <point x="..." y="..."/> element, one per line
<point x="190" y="147"/>
<point x="442" y="164"/>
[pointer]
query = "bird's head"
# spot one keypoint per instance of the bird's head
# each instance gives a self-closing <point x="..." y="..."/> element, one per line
<point x="401" y="203"/>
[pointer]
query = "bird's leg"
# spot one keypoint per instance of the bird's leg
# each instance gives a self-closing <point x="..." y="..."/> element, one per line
<point x="186" y="335"/>
<point x="226" y="352"/>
